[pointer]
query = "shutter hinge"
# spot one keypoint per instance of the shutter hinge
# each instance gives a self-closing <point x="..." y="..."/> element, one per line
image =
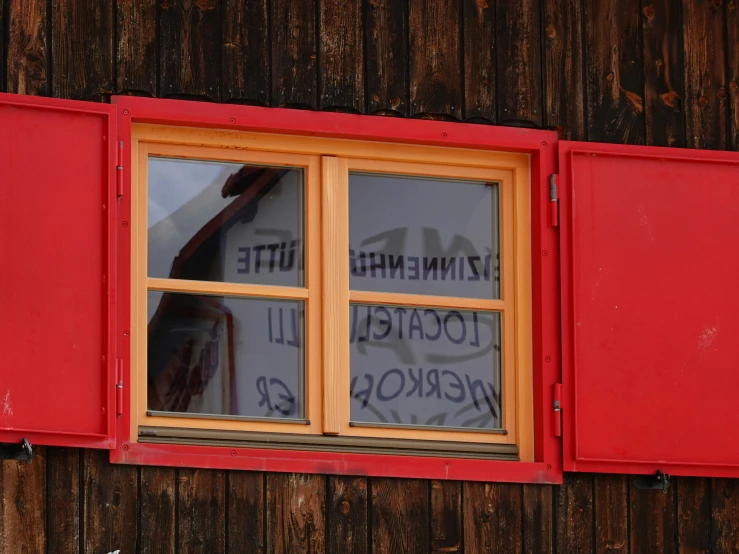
<point x="119" y="387"/>
<point x="557" y="409"/>
<point x="119" y="170"/>
<point x="553" y="202"/>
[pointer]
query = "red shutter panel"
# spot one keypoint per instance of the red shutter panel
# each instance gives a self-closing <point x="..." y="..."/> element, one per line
<point x="57" y="227"/>
<point x="650" y="298"/>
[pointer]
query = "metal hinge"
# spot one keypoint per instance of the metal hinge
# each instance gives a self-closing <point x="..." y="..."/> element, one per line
<point x="119" y="170"/>
<point x="22" y="451"/>
<point x="557" y="409"/>
<point x="553" y="202"/>
<point x="119" y="387"/>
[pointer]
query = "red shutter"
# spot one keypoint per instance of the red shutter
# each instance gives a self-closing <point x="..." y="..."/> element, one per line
<point x="57" y="227"/>
<point x="650" y="297"/>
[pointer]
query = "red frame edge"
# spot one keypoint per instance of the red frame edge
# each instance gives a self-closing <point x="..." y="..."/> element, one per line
<point x="540" y="145"/>
<point x="569" y="404"/>
<point x="68" y="439"/>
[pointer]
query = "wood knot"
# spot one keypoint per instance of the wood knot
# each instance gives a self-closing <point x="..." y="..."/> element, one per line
<point x="669" y="99"/>
<point x="481" y="4"/>
<point x="717" y="3"/>
<point x="648" y="12"/>
<point x="721" y="93"/>
<point x="309" y="517"/>
<point x="733" y="86"/>
<point x="489" y="509"/>
<point x="345" y="507"/>
<point x="703" y="101"/>
<point x="394" y="102"/>
<point x="609" y="76"/>
<point x="206" y="5"/>
<point x="551" y="32"/>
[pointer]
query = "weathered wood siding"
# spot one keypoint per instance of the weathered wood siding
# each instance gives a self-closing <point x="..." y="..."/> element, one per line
<point x="661" y="72"/>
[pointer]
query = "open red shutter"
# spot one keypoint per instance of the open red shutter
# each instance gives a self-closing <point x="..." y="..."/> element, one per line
<point x="57" y="227"/>
<point x="650" y="298"/>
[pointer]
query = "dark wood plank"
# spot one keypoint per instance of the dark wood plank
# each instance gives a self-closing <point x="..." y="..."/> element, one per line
<point x="157" y="505"/>
<point x="725" y="516"/>
<point x="201" y="511"/>
<point x="136" y="46"/>
<point x="246" y="510"/>
<point x="347" y="515"/>
<point x="246" y="51"/>
<point x="478" y="25"/>
<point x="446" y="516"/>
<point x="663" y="76"/>
<point x="705" y="92"/>
<point x="732" y="38"/>
<point x="573" y="502"/>
<point x="63" y="473"/>
<point x="3" y="59"/>
<point x="110" y="498"/>
<point x="400" y="516"/>
<point x="518" y="45"/>
<point x="82" y="47"/>
<point x="652" y="521"/>
<point x="615" y="76"/>
<point x="387" y="56"/>
<point x="694" y="515"/>
<point x="611" y="513"/>
<point x="434" y="58"/>
<point x="190" y="48"/>
<point x="341" y="55"/>
<point x="23" y="504"/>
<point x="538" y="519"/>
<point x="294" y="53"/>
<point x="296" y="519"/>
<point x="27" y="47"/>
<point x="564" y="89"/>
<point x="493" y="518"/>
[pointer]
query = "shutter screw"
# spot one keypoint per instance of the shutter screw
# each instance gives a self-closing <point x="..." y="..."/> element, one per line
<point x="125" y="112"/>
<point x="547" y="358"/>
<point x="125" y="447"/>
<point x="443" y="135"/>
<point x="549" y="466"/>
<point x="544" y="253"/>
<point x="125" y="223"/>
<point x="233" y="453"/>
<point x="232" y="120"/>
<point x="125" y="333"/>
<point x="543" y="144"/>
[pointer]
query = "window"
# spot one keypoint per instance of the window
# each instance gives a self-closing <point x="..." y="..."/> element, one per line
<point x="329" y="294"/>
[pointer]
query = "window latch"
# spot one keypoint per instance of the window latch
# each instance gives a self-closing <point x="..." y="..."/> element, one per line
<point x="658" y="481"/>
<point x="553" y="202"/>
<point x="22" y="451"/>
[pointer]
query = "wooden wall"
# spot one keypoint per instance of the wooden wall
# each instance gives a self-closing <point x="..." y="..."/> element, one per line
<point x="661" y="72"/>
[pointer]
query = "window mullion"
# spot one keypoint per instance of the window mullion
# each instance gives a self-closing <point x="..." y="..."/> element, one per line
<point x="335" y="281"/>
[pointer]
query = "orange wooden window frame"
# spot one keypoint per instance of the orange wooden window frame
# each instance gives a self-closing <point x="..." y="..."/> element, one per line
<point x="326" y="294"/>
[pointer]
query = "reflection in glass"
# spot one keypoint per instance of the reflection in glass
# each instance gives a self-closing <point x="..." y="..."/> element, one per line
<point x="217" y="221"/>
<point x="424" y="236"/>
<point x="215" y="355"/>
<point x="425" y="366"/>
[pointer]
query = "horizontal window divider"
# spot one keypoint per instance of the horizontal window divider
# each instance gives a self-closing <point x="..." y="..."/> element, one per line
<point x="426" y="301"/>
<point x="153" y="413"/>
<point x="328" y="443"/>
<point x="228" y="289"/>
<point x="428" y="427"/>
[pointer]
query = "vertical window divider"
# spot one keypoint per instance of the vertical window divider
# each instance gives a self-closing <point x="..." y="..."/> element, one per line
<point x="335" y="290"/>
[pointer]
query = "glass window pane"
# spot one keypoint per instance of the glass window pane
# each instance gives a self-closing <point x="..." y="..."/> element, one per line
<point x="213" y="221"/>
<point x="425" y="366"/>
<point x="423" y="236"/>
<point x="215" y="355"/>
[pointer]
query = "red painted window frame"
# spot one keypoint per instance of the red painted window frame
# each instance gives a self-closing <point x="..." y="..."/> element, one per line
<point x="540" y="145"/>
